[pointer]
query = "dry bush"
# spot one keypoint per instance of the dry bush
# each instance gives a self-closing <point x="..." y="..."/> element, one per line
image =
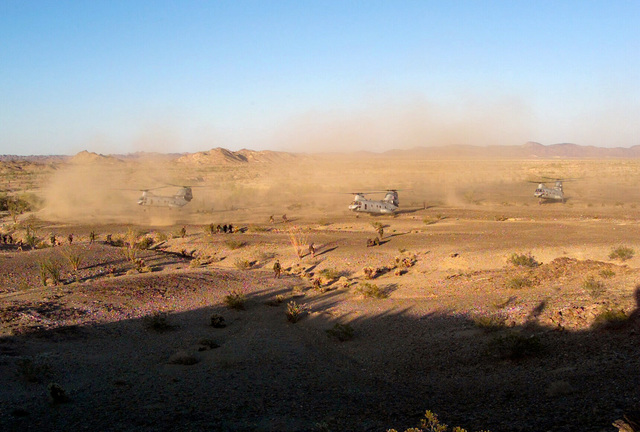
<point x="594" y="287"/>
<point x="158" y="321"/>
<point x="370" y="290"/>
<point x="235" y="300"/>
<point x="490" y="323"/>
<point x="341" y="332"/>
<point x="523" y="260"/>
<point x="610" y="319"/>
<point x="607" y="273"/>
<point x="74" y="257"/>
<point x="298" y="240"/>
<point x="235" y="244"/>
<point x="514" y="346"/>
<point x="242" y="264"/>
<point x="519" y="282"/>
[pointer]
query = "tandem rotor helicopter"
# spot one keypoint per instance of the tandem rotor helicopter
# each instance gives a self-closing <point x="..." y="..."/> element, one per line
<point x="389" y="204"/>
<point x="554" y="193"/>
<point x="182" y="197"/>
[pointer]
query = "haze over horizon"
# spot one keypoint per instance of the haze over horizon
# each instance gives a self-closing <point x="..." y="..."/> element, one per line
<point x="121" y="77"/>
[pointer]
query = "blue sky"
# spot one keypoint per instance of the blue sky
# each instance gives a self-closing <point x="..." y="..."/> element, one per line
<point x="124" y="76"/>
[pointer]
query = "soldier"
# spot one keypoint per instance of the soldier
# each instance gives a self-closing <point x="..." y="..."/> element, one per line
<point x="70" y="238"/>
<point x="312" y="250"/>
<point x="230" y="229"/>
<point x="52" y="239"/>
<point x="380" y="232"/>
<point x="224" y="228"/>
<point x="92" y="237"/>
<point x="183" y="232"/>
<point x="277" y="269"/>
<point x="284" y="218"/>
<point x="271" y="219"/>
<point x="109" y="240"/>
<point x="218" y="229"/>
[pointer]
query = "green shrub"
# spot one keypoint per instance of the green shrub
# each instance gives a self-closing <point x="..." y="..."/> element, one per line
<point x="235" y="300"/>
<point x="370" y="290"/>
<point x="610" y="319"/>
<point x="523" y="260"/>
<point x="74" y="257"/>
<point x="144" y="243"/>
<point x="594" y="287"/>
<point x="330" y="273"/>
<point x="49" y="268"/>
<point x="295" y="311"/>
<point x="515" y="346"/>
<point x="519" y="282"/>
<point x="341" y="332"/>
<point x="622" y="253"/>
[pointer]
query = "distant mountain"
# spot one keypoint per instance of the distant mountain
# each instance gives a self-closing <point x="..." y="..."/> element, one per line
<point x="86" y="157"/>
<point x="529" y="150"/>
<point x="221" y="156"/>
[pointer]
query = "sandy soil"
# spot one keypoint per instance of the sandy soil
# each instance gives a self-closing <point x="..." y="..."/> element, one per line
<point x="462" y="332"/>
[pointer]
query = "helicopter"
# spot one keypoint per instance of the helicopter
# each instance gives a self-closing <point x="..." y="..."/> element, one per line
<point x="181" y="198"/>
<point x="544" y="193"/>
<point x="389" y="204"/>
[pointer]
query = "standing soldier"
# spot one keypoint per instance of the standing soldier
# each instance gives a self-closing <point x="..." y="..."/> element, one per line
<point x="92" y="237"/>
<point x="70" y="238"/>
<point x="277" y="269"/>
<point x="380" y="232"/>
<point x="271" y="219"/>
<point x="312" y="250"/>
<point x="284" y="218"/>
<point x="183" y="232"/>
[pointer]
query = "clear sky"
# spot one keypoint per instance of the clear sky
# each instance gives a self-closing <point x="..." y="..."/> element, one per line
<point x="184" y="76"/>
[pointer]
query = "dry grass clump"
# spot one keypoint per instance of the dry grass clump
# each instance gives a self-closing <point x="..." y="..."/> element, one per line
<point x="242" y="264"/>
<point x="33" y="371"/>
<point x="523" y="260"/>
<point x="519" y="282"/>
<point x="622" y="253"/>
<point x="235" y="244"/>
<point x="235" y="300"/>
<point x="610" y="319"/>
<point x="74" y="257"/>
<point x="370" y="272"/>
<point x="607" y="273"/>
<point x="217" y="321"/>
<point x="369" y="290"/>
<point x="490" y="323"/>
<point x="341" y="332"/>
<point x="514" y="346"/>
<point x="594" y="287"/>
<point x="50" y="270"/>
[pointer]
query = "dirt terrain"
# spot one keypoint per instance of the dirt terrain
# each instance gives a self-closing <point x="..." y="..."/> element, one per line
<point x="453" y="322"/>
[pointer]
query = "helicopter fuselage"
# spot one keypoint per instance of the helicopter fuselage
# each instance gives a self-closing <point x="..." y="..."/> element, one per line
<point x="549" y="193"/>
<point x="179" y="200"/>
<point x="386" y="206"/>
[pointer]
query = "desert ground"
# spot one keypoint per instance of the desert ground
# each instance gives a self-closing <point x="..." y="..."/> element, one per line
<point x="479" y="304"/>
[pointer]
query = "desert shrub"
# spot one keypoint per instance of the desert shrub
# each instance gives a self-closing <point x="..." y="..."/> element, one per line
<point x="523" y="260"/>
<point x="235" y="244"/>
<point x="490" y="323"/>
<point x="144" y="243"/>
<point x="30" y="238"/>
<point x="295" y="311"/>
<point x="519" y="282"/>
<point x="158" y="321"/>
<point x="297" y="239"/>
<point x="217" y="321"/>
<point x="341" y="332"/>
<point x="74" y="257"/>
<point x="330" y="273"/>
<point x="622" y="253"/>
<point x="57" y="393"/>
<point x="33" y="371"/>
<point x="242" y="264"/>
<point x="183" y="358"/>
<point x="431" y="423"/>
<point x="370" y="290"/>
<point x="610" y="319"/>
<point x="607" y="273"/>
<point x="235" y="300"/>
<point x="49" y="269"/>
<point x="514" y="346"/>
<point x="370" y="272"/>
<point x="594" y="287"/>
<point x="162" y="237"/>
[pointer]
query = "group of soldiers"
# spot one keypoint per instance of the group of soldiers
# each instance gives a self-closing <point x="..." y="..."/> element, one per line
<point x="6" y="239"/>
<point x="277" y="268"/>
<point x="55" y="242"/>
<point x="284" y="219"/>
<point x="226" y="229"/>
